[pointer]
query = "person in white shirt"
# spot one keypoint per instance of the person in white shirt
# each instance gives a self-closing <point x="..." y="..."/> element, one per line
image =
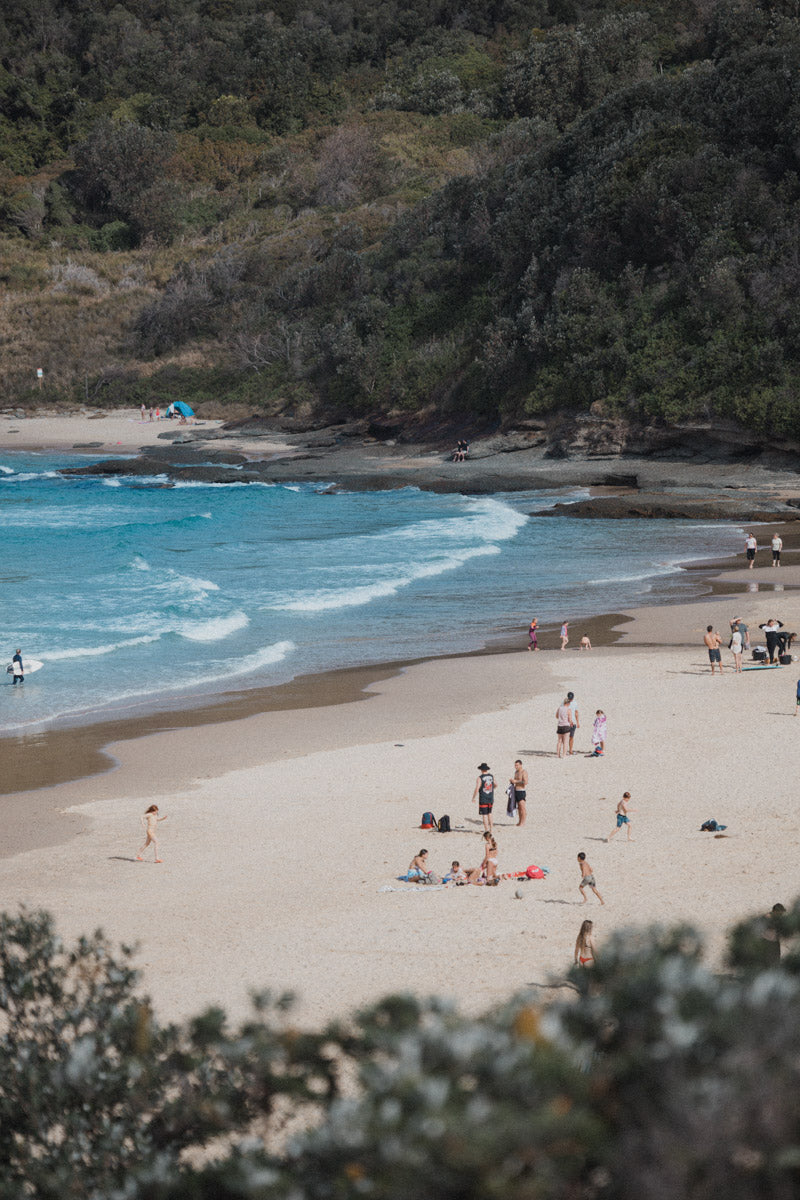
<point x="777" y="546"/>
<point x="751" y="545"/>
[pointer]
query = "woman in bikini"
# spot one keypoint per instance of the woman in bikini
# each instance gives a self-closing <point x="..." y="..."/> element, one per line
<point x="585" y="953"/>
<point x="533" y="643"/>
<point x="487" y="871"/>
<point x="150" y="825"/>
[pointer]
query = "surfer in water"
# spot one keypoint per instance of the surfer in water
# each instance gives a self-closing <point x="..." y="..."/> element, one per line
<point x="17" y="669"/>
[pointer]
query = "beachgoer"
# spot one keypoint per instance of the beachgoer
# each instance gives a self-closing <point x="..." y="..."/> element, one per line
<point x="158" y="414"/>
<point x="777" y="546"/>
<point x="599" y="733"/>
<point x="150" y="825"/>
<point x="151" y="414"/>
<point x="585" y="643"/>
<point x="585" y="952"/>
<point x="484" y="794"/>
<point x="772" y="630"/>
<point x="751" y="545"/>
<point x="564" y="635"/>
<point x="562" y="728"/>
<point x="456" y="874"/>
<point x="533" y="643"/>
<point x="490" y="859"/>
<point x="622" y="814"/>
<point x="736" y="649"/>
<point x="771" y="937"/>
<point x="17" y="669"/>
<point x="574" y="720"/>
<point x="587" y="879"/>
<point x="481" y="874"/>
<point x="418" y="867"/>
<point x="797" y="698"/>
<point x="743" y="630"/>
<point x="519" y="782"/>
<point x="713" y="641"/>
<point x="143" y="411"/>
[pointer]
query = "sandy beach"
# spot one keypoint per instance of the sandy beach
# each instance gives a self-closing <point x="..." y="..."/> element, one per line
<point x="273" y="873"/>
<point x="287" y="828"/>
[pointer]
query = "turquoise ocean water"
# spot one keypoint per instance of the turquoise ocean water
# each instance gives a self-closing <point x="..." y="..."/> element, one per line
<point x="143" y="597"/>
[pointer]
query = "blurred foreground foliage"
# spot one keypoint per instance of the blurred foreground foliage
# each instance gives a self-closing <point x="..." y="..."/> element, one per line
<point x="654" y="1078"/>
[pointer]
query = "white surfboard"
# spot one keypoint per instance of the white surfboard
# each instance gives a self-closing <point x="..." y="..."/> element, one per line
<point x="29" y="665"/>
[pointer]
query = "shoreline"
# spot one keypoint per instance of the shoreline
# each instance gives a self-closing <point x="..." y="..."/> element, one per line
<point x="275" y="874"/>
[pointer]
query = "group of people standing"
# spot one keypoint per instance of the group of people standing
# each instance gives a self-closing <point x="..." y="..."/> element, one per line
<point x="778" y="642"/>
<point x="751" y="549"/>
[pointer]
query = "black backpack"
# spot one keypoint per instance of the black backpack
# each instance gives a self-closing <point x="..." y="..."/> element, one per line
<point x="444" y="824"/>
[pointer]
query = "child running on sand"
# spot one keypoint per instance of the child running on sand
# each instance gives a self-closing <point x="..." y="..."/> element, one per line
<point x="587" y="879"/>
<point x="585" y="953"/>
<point x="150" y="825"/>
<point x="622" y="812"/>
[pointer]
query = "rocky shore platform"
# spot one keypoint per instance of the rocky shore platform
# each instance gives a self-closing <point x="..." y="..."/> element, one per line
<point x="673" y="481"/>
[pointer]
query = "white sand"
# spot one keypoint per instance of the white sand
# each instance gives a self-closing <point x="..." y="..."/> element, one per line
<point x="272" y="874"/>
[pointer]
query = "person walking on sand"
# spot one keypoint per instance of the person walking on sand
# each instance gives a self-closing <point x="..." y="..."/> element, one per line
<point x="533" y="643"/>
<point x="736" y="649"/>
<point x="484" y="794"/>
<point x="564" y="634"/>
<point x="713" y="641"/>
<point x="622" y="814"/>
<point x="150" y="825"/>
<point x="562" y="728"/>
<point x="585" y="952"/>
<point x="751" y="546"/>
<point x="587" y="879"/>
<point x="519" y="782"/>
<point x="599" y="734"/>
<point x="777" y="546"/>
<point x="17" y="669"/>
<point x="574" y="720"/>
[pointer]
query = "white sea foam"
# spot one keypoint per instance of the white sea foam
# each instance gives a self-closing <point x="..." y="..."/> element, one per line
<point x="7" y="470"/>
<point x="222" y="670"/>
<point x="327" y="599"/>
<point x="94" y="651"/>
<point x="214" y="629"/>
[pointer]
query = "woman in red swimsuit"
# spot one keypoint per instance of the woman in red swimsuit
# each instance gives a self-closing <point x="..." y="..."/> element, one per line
<point x="585" y="953"/>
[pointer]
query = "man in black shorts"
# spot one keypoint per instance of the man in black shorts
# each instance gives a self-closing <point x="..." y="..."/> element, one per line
<point x="484" y="794"/>
<point x="713" y="641"/>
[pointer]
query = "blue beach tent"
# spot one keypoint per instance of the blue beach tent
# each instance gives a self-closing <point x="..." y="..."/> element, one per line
<point x="180" y="408"/>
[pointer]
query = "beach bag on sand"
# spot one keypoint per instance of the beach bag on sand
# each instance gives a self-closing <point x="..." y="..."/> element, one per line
<point x="444" y="824"/>
<point x="428" y="821"/>
<point x="534" y="872"/>
<point x="431" y="878"/>
<point x="759" y="653"/>
<point x="785" y="659"/>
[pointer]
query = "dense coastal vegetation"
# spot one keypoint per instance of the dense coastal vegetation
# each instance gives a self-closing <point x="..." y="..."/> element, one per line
<point x="507" y="209"/>
<point x="649" y="1076"/>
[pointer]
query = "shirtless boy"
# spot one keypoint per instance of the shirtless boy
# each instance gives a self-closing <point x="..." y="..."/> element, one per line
<point x="713" y="641"/>
<point x="621" y="813"/>
<point x="587" y="879"/>
<point x="519" y="782"/>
